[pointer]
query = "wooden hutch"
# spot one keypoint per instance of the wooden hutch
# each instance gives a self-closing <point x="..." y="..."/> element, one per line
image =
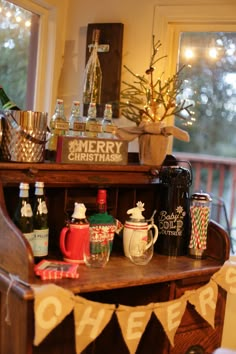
<point x="120" y="282"/>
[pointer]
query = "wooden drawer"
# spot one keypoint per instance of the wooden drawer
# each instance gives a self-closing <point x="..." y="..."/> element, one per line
<point x="207" y="339"/>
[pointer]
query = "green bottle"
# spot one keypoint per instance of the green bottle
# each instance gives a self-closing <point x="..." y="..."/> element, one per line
<point x="41" y="230"/>
<point x="7" y="104"/>
<point x="23" y="217"/>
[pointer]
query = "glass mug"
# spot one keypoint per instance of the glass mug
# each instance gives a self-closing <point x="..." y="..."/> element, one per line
<point x="72" y="240"/>
<point x="141" y="247"/>
<point x="96" y="253"/>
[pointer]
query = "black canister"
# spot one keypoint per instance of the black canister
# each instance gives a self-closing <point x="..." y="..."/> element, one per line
<point x="173" y="212"/>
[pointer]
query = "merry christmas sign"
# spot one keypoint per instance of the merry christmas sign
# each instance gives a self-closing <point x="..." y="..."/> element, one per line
<point x="92" y="150"/>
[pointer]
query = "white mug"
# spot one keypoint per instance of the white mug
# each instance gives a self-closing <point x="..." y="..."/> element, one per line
<point x="142" y="228"/>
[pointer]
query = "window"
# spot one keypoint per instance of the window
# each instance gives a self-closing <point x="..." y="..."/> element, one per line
<point x="46" y="52"/>
<point x="18" y="46"/>
<point x="209" y="79"/>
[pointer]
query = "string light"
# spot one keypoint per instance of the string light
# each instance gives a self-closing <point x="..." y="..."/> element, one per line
<point x="213" y="53"/>
<point x="189" y="54"/>
<point x="12" y="14"/>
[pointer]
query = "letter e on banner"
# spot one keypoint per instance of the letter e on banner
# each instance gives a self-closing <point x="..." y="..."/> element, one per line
<point x="133" y="323"/>
<point x="173" y="315"/>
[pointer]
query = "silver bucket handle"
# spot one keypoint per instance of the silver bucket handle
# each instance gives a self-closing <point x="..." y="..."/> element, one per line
<point x="13" y="123"/>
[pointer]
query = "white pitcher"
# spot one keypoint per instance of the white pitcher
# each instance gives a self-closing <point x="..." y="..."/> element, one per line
<point x="138" y="225"/>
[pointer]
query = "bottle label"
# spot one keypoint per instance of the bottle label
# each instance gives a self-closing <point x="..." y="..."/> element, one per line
<point x="30" y="237"/>
<point x="41" y="242"/>
<point x="78" y="126"/>
<point x="42" y="207"/>
<point x="94" y="127"/>
<point x="26" y="210"/>
<point x="172" y="224"/>
<point x="62" y="125"/>
<point x="110" y="128"/>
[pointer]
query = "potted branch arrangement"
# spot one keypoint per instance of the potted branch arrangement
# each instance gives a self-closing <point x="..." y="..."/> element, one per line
<point x="149" y="101"/>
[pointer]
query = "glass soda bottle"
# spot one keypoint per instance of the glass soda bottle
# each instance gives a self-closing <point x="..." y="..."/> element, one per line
<point x="93" y="74"/>
<point x="108" y="127"/>
<point x="41" y="230"/>
<point x="7" y="104"/>
<point x="92" y="125"/>
<point x="59" y="126"/>
<point x="76" y="124"/>
<point x="23" y="216"/>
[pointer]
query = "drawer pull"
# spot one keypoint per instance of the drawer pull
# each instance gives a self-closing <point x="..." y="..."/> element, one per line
<point x="196" y="349"/>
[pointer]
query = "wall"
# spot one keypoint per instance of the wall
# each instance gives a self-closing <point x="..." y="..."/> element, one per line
<point x="137" y="17"/>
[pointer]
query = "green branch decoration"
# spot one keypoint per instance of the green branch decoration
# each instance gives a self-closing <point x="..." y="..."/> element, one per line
<point x="147" y="99"/>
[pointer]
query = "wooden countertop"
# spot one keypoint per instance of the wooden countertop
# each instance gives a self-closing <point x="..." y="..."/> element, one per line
<point x="120" y="272"/>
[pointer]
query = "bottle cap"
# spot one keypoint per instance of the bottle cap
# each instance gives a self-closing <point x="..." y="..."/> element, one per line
<point x="201" y="197"/>
<point x="102" y="196"/>
<point x="79" y="211"/>
<point x="39" y="184"/>
<point x="24" y="185"/>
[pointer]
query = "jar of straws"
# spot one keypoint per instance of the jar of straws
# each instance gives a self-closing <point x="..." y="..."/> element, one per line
<point x="200" y="208"/>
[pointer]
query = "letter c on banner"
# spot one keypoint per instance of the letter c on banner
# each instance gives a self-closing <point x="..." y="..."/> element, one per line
<point x="41" y="309"/>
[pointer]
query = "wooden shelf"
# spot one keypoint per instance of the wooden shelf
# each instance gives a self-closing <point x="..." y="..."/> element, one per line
<point x="163" y="279"/>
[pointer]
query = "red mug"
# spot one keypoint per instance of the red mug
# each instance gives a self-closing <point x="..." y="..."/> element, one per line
<point x="73" y="239"/>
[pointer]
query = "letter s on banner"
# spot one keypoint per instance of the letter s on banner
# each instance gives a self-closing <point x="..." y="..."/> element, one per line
<point x="230" y="278"/>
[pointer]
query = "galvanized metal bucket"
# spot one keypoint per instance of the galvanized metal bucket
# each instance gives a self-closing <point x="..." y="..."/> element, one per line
<point x="23" y="136"/>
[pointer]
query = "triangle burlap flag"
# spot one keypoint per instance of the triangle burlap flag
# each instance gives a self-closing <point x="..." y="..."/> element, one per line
<point x="204" y="300"/>
<point x="226" y="277"/>
<point x="133" y="321"/>
<point x="170" y="314"/>
<point x="90" y="319"/>
<point x="51" y="305"/>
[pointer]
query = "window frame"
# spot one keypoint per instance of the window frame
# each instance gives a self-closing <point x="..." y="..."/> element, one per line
<point x="50" y="50"/>
<point x="170" y="20"/>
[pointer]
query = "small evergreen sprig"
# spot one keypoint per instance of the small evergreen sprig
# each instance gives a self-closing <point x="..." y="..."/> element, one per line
<point x="150" y="99"/>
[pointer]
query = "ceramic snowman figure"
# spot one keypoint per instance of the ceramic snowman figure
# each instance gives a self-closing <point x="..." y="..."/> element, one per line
<point x="137" y="222"/>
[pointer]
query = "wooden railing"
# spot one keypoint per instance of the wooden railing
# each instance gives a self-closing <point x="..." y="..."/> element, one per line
<point x="214" y="175"/>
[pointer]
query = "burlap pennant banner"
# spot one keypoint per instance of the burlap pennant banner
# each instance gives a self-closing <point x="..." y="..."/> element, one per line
<point x="90" y="319"/>
<point x="170" y="314"/>
<point x="226" y="277"/>
<point x="133" y="321"/>
<point x="204" y="300"/>
<point x="51" y="305"/>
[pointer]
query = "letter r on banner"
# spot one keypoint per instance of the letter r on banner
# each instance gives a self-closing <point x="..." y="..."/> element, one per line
<point x="206" y="297"/>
